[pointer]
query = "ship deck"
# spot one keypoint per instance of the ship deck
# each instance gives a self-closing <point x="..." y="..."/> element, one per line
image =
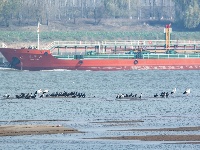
<point x="130" y="56"/>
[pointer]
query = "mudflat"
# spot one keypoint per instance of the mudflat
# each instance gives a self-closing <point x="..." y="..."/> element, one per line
<point x="16" y="130"/>
<point x="170" y="137"/>
<point x="188" y="138"/>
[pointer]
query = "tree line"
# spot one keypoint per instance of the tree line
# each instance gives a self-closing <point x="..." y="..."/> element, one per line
<point x="186" y="12"/>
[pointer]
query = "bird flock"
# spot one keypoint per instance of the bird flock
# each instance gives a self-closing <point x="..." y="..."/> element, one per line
<point x="45" y="93"/>
<point x="161" y="95"/>
<point x="119" y="96"/>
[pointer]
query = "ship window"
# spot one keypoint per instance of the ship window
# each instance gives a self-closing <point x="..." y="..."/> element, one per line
<point x="45" y="53"/>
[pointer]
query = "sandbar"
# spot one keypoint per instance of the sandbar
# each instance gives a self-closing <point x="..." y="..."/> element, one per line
<point x="16" y="130"/>
<point x="170" y="137"/>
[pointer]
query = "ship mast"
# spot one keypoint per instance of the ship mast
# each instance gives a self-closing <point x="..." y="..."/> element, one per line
<point x="167" y="31"/>
<point x="38" y="31"/>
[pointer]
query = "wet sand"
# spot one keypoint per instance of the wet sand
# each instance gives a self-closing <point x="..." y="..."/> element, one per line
<point x="193" y="139"/>
<point x="16" y="130"/>
<point x="171" y="137"/>
<point x="166" y="129"/>
<point x="187" y="139"/>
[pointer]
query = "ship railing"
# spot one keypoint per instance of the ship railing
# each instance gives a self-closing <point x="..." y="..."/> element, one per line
<point x="50" y="46"/>
<point x="78" y="43"/>
<point x="168" y="56"/>
<point x="150" y="43"/>
<point x="130" y="56"/>
<point x="64" y="56"/>
<point x="106" y="56"/>
<point x="3" y="45"/>
<point x="109" y="56"/>
<point x="185" y="42"/>
<point x="133" y="42"/>
<point x="73" y="44"/>
<point x="122" y="43"/>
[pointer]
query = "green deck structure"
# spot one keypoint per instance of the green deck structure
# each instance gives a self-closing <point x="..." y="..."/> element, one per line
<point x="129" y="56"/>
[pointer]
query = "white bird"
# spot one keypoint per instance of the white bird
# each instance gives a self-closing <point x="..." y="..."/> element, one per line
<point x="187" y="92"/>
<point x="45" y="91"/>
<point x="38" y="91"/>
<point x="173" y="91"/>
<point x="6" y="96"/>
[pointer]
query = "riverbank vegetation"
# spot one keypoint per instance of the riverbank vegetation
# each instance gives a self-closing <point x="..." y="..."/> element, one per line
<point x="15" y="36"/>
<point x="184" y="13"/>
<point x="90" y="20"/>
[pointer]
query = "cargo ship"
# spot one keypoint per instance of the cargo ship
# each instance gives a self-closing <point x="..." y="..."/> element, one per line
<point x="145" y="58"/>
<point x="34" y="60"/>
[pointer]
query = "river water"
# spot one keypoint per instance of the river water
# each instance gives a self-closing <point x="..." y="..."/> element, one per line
<point x="91" y="114"/>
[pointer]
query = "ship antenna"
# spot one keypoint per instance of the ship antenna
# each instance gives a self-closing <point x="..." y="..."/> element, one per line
<point x="38" y="31"/>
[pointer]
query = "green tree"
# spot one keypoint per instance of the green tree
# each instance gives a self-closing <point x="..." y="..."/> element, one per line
<point x="1" y="7"/>
<point x="187" y="12"/>
<point x="192" y="15"/>
<point x="9" y="10"/>
<point x="120" y="8"/>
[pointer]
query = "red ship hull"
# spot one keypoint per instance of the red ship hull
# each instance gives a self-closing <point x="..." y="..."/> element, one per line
<point x="34" y="60"/>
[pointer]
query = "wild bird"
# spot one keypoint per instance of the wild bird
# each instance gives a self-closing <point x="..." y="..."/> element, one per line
<point x="6" y="96"/>
<point x="173" y="91"/>
<point x="162" y="94"/>
<point x="187" y="92"/>
<point x="156" y="95"/>
<point x="33" y="96"/>
<point x="41" y="96"/>
<point x="120" y="96"/>
<point x="130" y="95"/>
<point x="45" y="91"/>
<point x="140" y="96"/>
<point x="22" y="95"/>
<point x="38" y="91"/>
<point x="167" y="94"/>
